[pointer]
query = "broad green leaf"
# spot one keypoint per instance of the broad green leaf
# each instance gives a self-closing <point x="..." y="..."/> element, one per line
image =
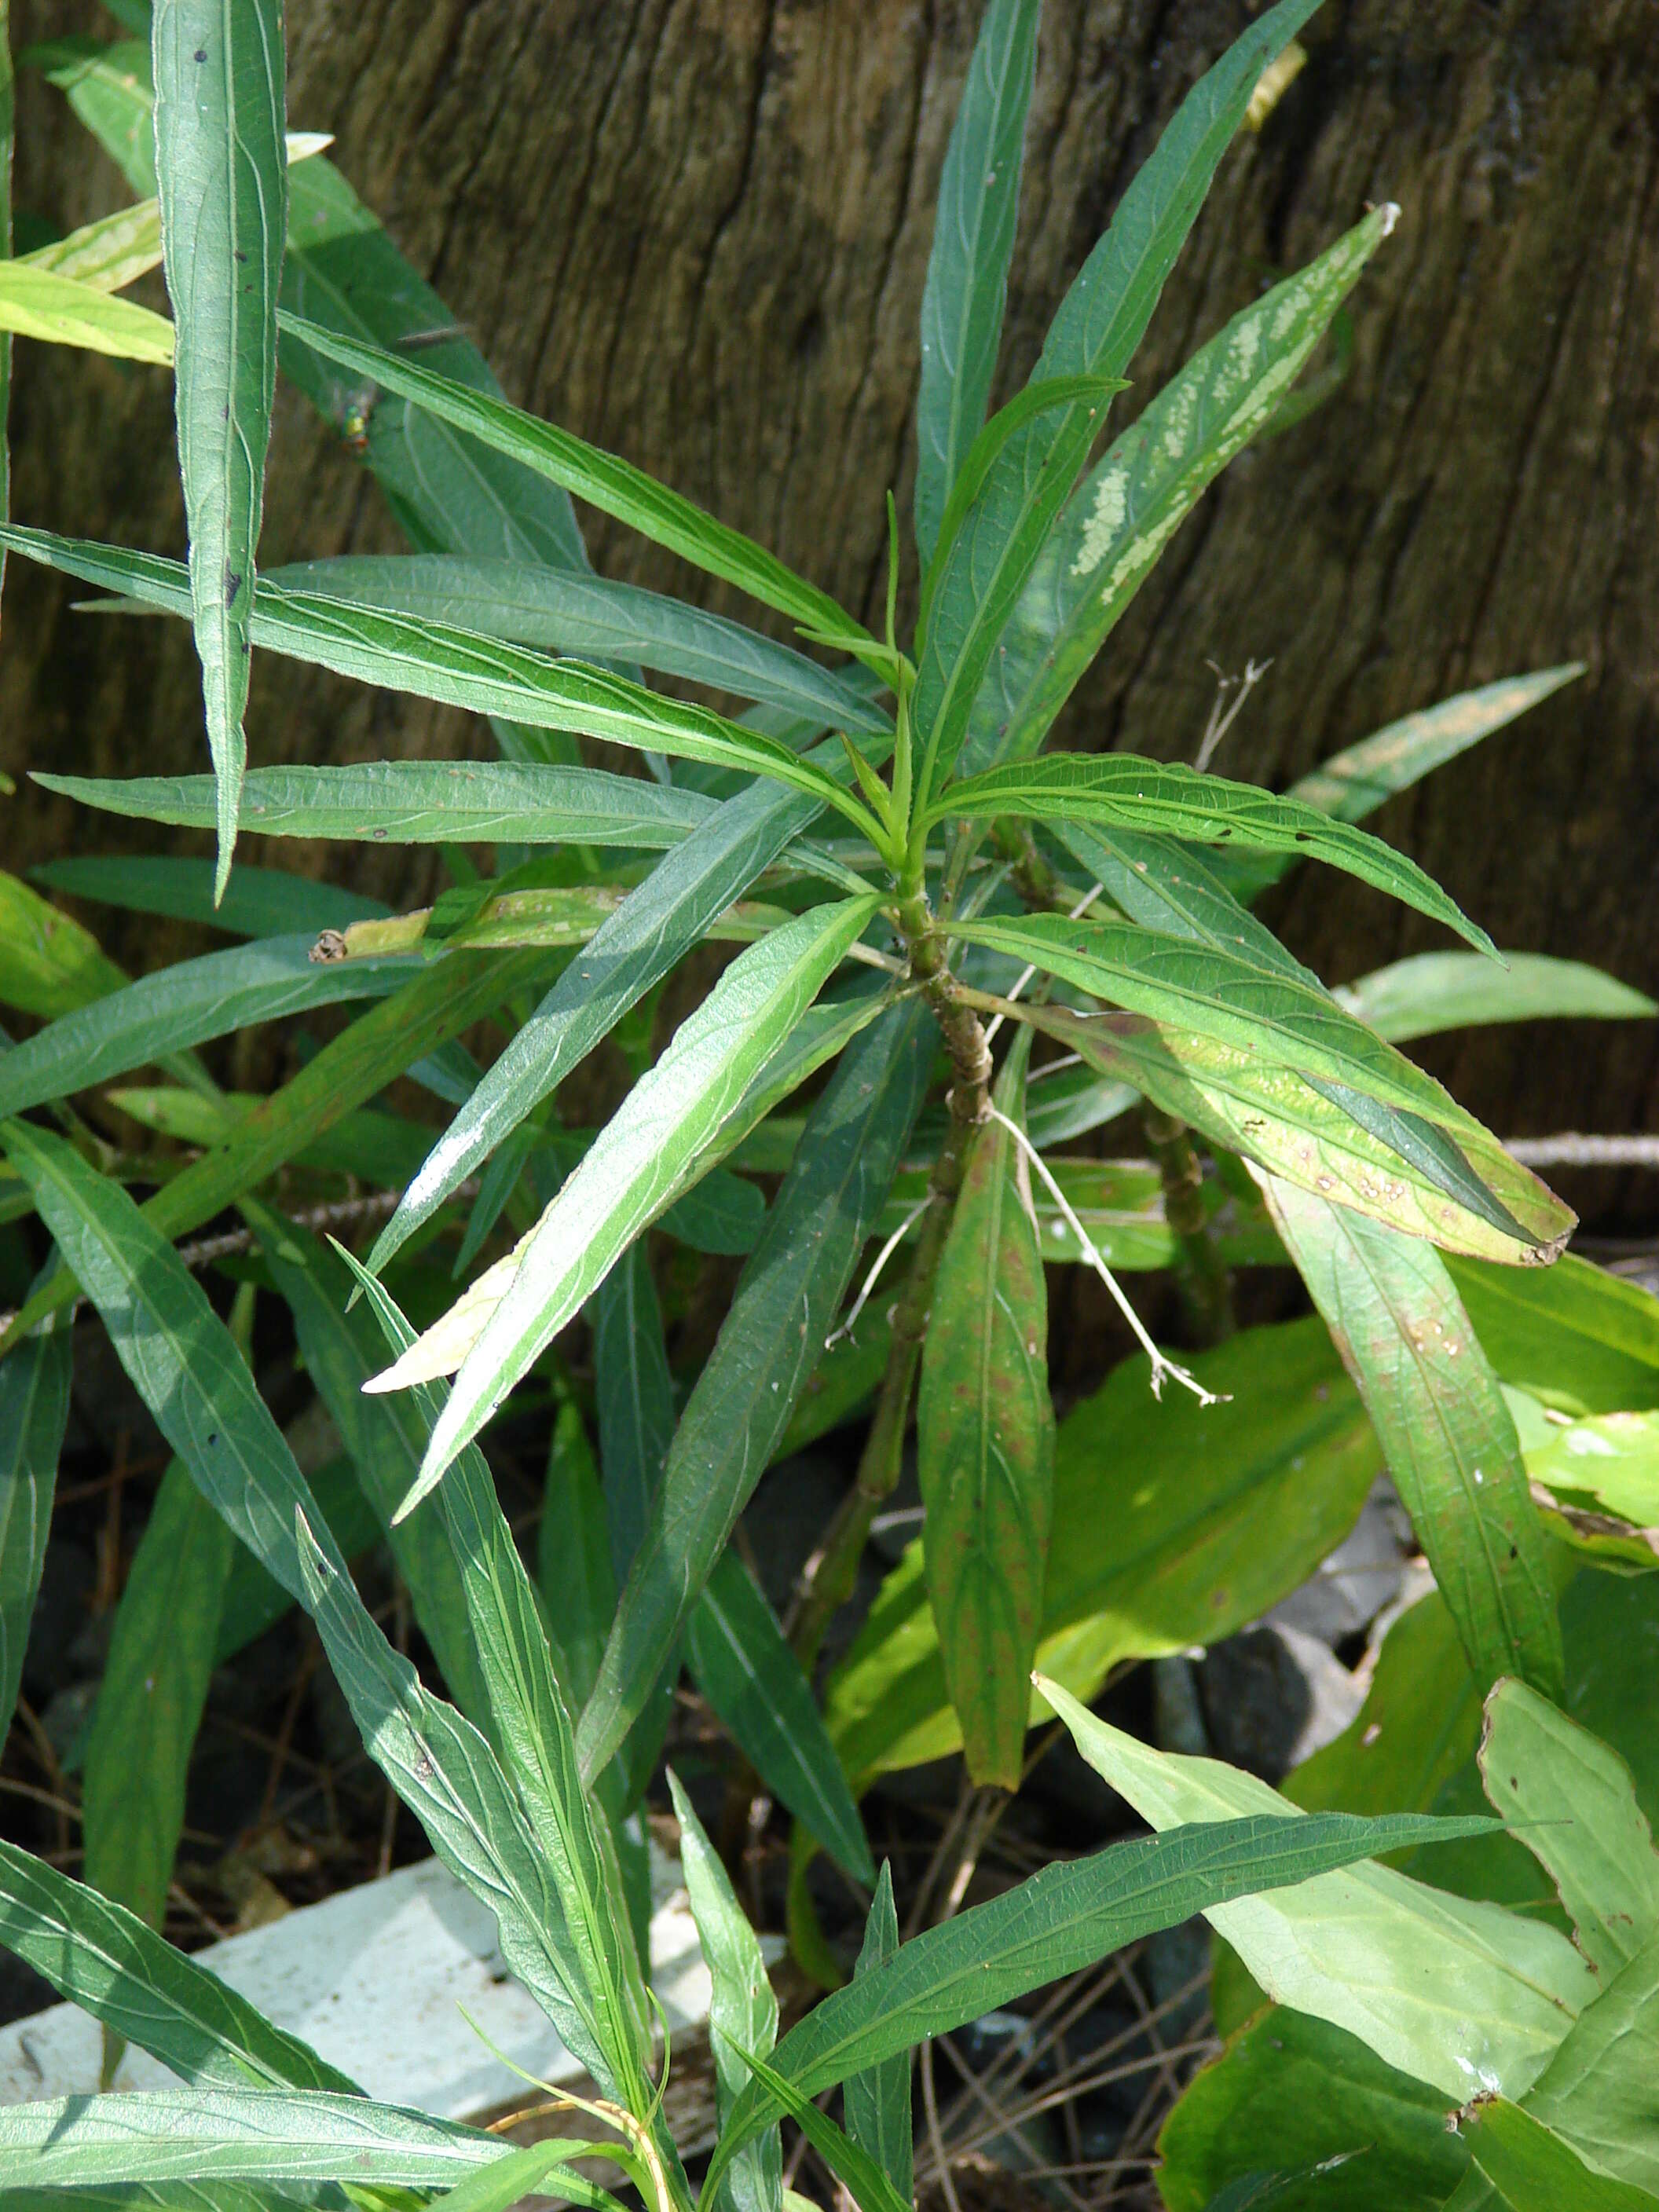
<point x="49" y="964"/>
<point x="754" y="1682"/>
<point x="1117" y="791"/>
<point x="1068" y="1917"/>
<point x="1462" y="1995"/>
<point x="1399" y="1168"/>
<point x="1117" y="524"/>
<point x="189" y="1372"/>
<point x="34" y="1394"/>
<point x="418" y="803"/>
<point x="860" y="2179"/>
<point x="1449" y="1438"/>
<point x="1436" y="991"/>
<point x="458" y="668"/>
<point x="985" y="1444"/>
<point x="768" y="1345"/>
<point x="231" y="2134"/>
<point x="1612" y="1458"/>
<point x="162" y="1651"/>
<point x="531" y="1723"/>
<point x="222" y="173"/>
<point x="258" y="902"/>
<point x="1289" y="2087"/>
<point x="184" y="1005"/>
<point x="643" y="1158"/>
<point x="1099" y="324"/>
<point x="1534" y="2170"/>
<point x="614" y="486"/>
<point x="399" y="1033"/>
<point x="108" y="88"/>
<point x="384" y="1438"/>
<point x="1572" y="1334"/>
<point x="1168" y="887"/>
<point x="742" y="2010"/>
<point x="1183" y="1522"/>
<point x="39" y="303"/>
<point x="586" y="618"/>
<point x="1571" y="1800"/>
<point x="1598" y="2090"/>
<point x="105" y="1959"/>
<point x="968" y="268"/>
<point x="878" y="2102"/>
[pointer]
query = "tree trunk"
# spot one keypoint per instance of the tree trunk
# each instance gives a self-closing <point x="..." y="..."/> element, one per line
<point x="697" y="230"/>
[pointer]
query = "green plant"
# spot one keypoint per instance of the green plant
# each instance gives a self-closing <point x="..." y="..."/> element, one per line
<point x="897" y="863"/>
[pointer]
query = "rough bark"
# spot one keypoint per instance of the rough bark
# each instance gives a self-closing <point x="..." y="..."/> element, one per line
<point x="697" y="231"/>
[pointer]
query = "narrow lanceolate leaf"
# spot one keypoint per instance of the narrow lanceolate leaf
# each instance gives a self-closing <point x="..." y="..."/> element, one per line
<point x="1571" y="1800"/>
<point x="1118" y="522"/>
<point x="769" y="1343"/>
<point x="190" y="1373"/>
<point x="1062" y="1919"/>
<point x="643" y="1158"/>
<point x="266" y="2135"/>
<point x="185" y="1005"/>
<point x="49" y="964"/>
<point x="34" y="1388"/>
<point x="1117" y="791"/>
<point x="743" y="2011"/>
<point x="418" y="803"/>
<point x="985" y="1444"/>
<point x="531" y="1723"/>
<point x="649" y="933"/>
<point x="968" y="269"/>
<point x="586" y="618"/>
<point x="222" y="175"/>
<point x="8" y="134"/>
<point x="756" y="1685"/>
<point x="614" y="486"/>
<point x="1396" y="1319"/>
<point x="1097" y="328"/>
<point x="258" y="902"/>
<point x="149" y="1704"/>
<point x="862" y="2179"/>
<point x="138" y="1986"/>
<point x="1435" y="991"/>
<point x="1534" y="2169"/>
<point x="1465" y="1194"/>
<point x="1167" y="887"/>
<point x="459" y="668"/>
<point x="878" y="2102"/>
<point x="1452" y="1993"/>
<point x="57" y="310"/>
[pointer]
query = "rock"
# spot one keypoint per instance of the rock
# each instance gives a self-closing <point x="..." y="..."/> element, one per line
<point x="1273" y="1696"/>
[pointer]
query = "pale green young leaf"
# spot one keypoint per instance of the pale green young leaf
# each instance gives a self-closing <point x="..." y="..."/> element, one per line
<point x="646" y="1155"/>
<point x="1431" y="992"/>
<point x="1465" y="1996"/>
<point x="742" y="2010"/>
<point x="1395" y="1318"/>
<point x="49" y="964"/>
<point x="34" y="1397"/>
<point x="258" y="901"/>
<point x="1117" y="524"/>
<point x="1534" y="2168"/>
<point x="162" y="1651"/>
<point x="1069" y="1915"/>
<point x="755" y="1684"/>
<point x="985" y="1444"/>
<point x="1612" y="1458"/>
<point x="459" y="668"/>
<point x="586" y="618"/>
<point x="104" y="1959"/>
<point x="968" y="267"/>
<point x="184" y="1365"/>
<point x="56" y="310"/>
<point x="1583" y="1339"/>
<point x="1571" y="1800"/>
<point x="418" y="803"/>
<point x="878" y="2102"/>
<point x="108" y="88"/>
<point x="616" y="487"/>
<point x="1099" y="326"/>
<point x="1117" y="791"/>
<point x="1597" y="2091"/>
<point x="769" y="1343"/>
<point x="534" y="2171"/>
<point x="184" y="1005"/>
<point x="221" y="175"/>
